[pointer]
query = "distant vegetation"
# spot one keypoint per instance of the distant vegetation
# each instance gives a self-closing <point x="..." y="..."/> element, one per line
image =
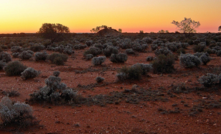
<point x="187" y="25"/>
<point x="98" y="28"/>
<point x="54" y="32"/>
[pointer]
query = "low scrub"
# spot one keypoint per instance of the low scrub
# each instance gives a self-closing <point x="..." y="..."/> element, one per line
<point x="210" y="79"/>
<point x="164" y="64"/>
<point x="134" y="72"/>
<point x="41" y="56"/>
<point x="29" y="73"/>
<point x="93" y="50"/>
<point x="189" y="60"/>
<point x="5" y="57"/>
<point x="55" y="92"/>
<point x="118" y="58"/>
<point x="98" y="60"/>
<point x="57" y="58"/>
<point x="14" y="68"/>
<point x="18" y="115"/>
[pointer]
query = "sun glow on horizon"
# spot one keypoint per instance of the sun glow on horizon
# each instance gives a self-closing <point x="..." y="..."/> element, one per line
<point x="129" y="15"/>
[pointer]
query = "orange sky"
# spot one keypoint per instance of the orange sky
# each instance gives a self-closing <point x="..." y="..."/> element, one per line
<point x="129" y="15"/>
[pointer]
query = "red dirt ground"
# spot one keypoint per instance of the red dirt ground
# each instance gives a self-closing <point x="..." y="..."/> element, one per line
<point x="123" y="118"/>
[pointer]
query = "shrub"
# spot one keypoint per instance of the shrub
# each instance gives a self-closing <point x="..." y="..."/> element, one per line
<point x="16" y="49"/>
<point x="218" y="52"/>
<point x="205" y="58"/>
<point x="209" y="80"/>
<point x="181" y="51"/>
<point x="16" y="114"/>
<point x="200" y="47"/>
<point x="89" y="42"/>
<point x="37" y="47"/>
<point x="129" y="51"/>
<point x="89" y="56"/>
<point x="163" y="64"/>
<point x="163" y="50"/>
<point x="126" y="43"/>
<point x="55" y="92"/>
<point x="79" y="46"/>
<point x="210" y="51"/>
<point x="12" y="93"/>
<point x="172" y="46"/>
<point x="2" y="65"/>
<point x="130" y="73"/>
<point x="149" y="58"/>
<point x="98" y="60"/>
<point x="99" y="79"/>
<point x="134" y="72"/>
<point x="57" y="58"/>
<point x="93" y="50"/>
<point x="29" y="73"/>
<point x="68" y="51"/>
<point x="110" y="50"/>
<point x="145" y="68"/>
<point x="147" y="40"/>
<point x="14" y="68"/>
<point x="25" y="55"/>
<point x="41" y="56"/>
<point x="5" y="57"/>
<point x="56" y="73"/>
<point x="154" y="46"/>
<point x="15" y="55"/>
<point x="118" y="58"/>
<point x="188" y="60"/>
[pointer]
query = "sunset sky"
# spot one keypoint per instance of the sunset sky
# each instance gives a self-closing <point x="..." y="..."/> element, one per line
<point x="130" y="15"/>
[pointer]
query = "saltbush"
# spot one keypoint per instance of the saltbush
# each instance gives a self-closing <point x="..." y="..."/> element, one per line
<point x="57" y="58"/>
<point x="19" y="115"/>
<point x="110" y="50"/>
<point x="5" y="57"/>
<point x="14" y="68"/>
<point x="118" y="58"/>
<point x="209" y="79"/>
<point x="25" y="55"/>
<point x="41" y="56"/>
<point x="163" y="64"/>
<point x="93" y="50"/>
<point x="99" y="79"/>
<point x="29" y="73"/>
<point x="98" y="60"/>
<point x="189" y="60"/>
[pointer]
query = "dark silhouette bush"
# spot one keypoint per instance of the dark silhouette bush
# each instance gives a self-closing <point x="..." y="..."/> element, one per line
<point x="14" y="68"/>
<point x="57" y="58"/>
<point x="5" y="57"/>
<point x="41" y="56"/>
<point x="37" y="47"/>
<point x="2" y="65"/>
<point x="99" y="79"/>
<point x="118" y="58"/>
<point x="163" y="64"/>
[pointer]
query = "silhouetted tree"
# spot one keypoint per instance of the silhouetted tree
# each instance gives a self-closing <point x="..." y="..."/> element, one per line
<point x="219" y="28"/>
<point x="187" y="25"/>
<point x="120" y="30"/>
<point x="161" y="31"/>
<point x="54" y="32"/>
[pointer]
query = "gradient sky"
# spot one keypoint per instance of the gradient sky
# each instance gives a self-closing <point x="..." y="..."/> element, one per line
<point x="130" y="15"/>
